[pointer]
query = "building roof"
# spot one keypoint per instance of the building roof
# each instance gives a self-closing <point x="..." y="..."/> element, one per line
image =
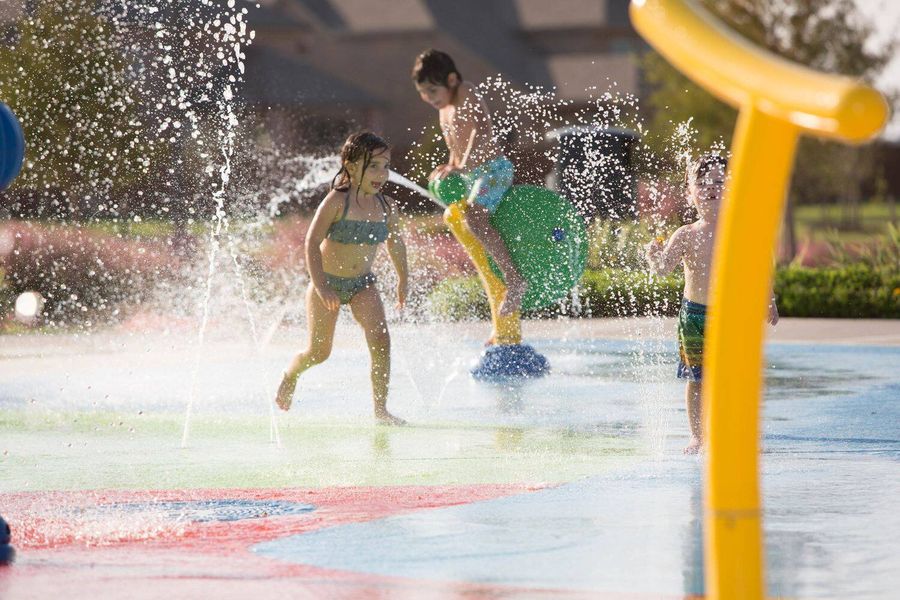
<point x="562" y="14"/>
<point x="259" y="13"/>
<point x="492" y="30"/>
<point x="270" y="13"/>
<point x="273" y="78"/>
<point x="322" y="11"/>
<point x="500" y="32"/>
<point x="383" y="16"/>
<point x="586" y="77"/>
<point x="359" y="52"/>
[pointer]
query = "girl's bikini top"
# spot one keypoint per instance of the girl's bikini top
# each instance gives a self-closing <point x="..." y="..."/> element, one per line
<point x="347" y="231"/>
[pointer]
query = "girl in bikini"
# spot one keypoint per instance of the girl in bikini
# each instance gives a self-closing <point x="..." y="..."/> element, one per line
<point x="341" y="244"/>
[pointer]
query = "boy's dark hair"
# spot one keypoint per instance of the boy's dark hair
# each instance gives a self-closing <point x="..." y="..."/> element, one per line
<point x="697" y="169"/>
<point x="434" y="66"/>
<point x="360" y="145"/>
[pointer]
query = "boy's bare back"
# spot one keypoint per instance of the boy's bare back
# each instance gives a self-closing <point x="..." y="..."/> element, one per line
<point x="467" y="129"/>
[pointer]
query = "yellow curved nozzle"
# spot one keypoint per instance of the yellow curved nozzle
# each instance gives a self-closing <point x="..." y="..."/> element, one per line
<point x="507" y="328"/>
<point x="777" y="101"/>
<point x="739" y="73"/>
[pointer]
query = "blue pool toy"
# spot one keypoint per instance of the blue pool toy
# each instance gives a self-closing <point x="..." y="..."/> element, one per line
<point x="12" y="146"/>
<point x="7" y="552"/>
<point x="513" y="361"/>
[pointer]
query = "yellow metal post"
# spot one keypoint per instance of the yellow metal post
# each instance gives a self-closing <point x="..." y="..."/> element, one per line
<point x="507" y="329"/>
<point x="763" y="153"/>
<point x="777" y="100"/>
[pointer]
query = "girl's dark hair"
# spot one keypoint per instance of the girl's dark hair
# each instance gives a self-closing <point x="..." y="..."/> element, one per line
<point x="697" y="169"/>
<point x="434" y="66"/>
<point x="360" y="145"/>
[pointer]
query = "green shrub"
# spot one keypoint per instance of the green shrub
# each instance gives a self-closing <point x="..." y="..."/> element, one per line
<point x="459" y="299"/>
<point x="7" y="297"/>
<point x="879" y="252"/>
<point x="617" y="244"/>
<point x="622" y="293"/>
<point x="854" y="291"/>
<point x="604" y="293"/>
<point x="82" y="273"/>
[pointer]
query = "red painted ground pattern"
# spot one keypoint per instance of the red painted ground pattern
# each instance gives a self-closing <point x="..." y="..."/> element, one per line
<point x="63" y="554"/>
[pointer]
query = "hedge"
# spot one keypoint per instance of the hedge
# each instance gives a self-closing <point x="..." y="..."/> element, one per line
<point x="854" y="291"/>
<point x="602" y="293"/>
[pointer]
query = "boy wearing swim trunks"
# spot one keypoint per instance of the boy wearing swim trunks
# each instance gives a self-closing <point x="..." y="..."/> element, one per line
<point x="466" y="125"/>
<point x="692" y="245"/>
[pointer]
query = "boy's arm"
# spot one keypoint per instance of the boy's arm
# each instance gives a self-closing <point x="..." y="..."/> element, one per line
<point x="663" y="258"/>
<point x="773" y="317"/>
<point x="397" y="251"/>
<point x="466" y="126"/>
<point x="324" y="217"/>
<point x="468" y="131"/>
<point x="454" y="158"/>
<point x="442" y="171"/>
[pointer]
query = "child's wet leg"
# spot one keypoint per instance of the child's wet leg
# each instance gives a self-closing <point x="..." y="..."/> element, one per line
<point x="693" y="403"/>
<point x="320" y="322"/>
<point x="369" y="312"/>
<point x="478" y="220"/>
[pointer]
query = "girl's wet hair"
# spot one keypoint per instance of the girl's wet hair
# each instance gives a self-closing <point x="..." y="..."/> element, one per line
<point x="434" y="66"/>
<point x="703" y="165"/>
<point x="360" y="145"/>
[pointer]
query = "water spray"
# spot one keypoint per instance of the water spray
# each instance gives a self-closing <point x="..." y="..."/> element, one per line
<point x="399" y="179"/>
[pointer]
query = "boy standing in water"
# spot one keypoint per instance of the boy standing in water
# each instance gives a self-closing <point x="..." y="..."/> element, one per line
<point x="693" y="246"/>
<point x="466" y="125"/>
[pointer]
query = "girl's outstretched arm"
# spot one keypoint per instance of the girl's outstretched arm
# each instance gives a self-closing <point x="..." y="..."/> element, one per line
<point x="663" y="258"/>
<point x="397" y="250"/>
<point x="325" y="215"/>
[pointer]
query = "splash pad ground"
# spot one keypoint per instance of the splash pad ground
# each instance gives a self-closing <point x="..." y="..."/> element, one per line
<point x="571" y="486"/>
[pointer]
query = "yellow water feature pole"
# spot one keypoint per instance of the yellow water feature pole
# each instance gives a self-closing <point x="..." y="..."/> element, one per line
<point x="778" y="100"/>
<point x="506" y="329"/>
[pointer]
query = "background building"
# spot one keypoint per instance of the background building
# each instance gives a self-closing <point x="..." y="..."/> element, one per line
<point x="339" y="62"/>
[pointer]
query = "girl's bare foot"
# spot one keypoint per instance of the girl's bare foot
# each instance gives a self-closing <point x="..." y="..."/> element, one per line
<point x="386" y="418"/>
<point x="515" y="292"/>
<point x="286" y="392"/>
<point x="693" y="446"/>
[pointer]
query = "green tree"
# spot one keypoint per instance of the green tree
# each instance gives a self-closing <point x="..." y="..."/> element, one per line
<point x="79" y="99"/>
<point x="826" y="35"/>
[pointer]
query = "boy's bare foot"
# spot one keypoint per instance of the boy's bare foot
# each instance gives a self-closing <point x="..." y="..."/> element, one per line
<point x="693" y="446"/>
<point x="515" y="291"/>
<point x="286" y="392"/>
<point x="386" y="418"/>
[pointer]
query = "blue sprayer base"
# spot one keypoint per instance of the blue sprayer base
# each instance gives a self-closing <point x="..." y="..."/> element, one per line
<point x="7" y="552"/>
<point x="514" y="361"/>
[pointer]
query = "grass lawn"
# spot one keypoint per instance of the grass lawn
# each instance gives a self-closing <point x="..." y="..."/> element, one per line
<point x="835" y="222"/>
